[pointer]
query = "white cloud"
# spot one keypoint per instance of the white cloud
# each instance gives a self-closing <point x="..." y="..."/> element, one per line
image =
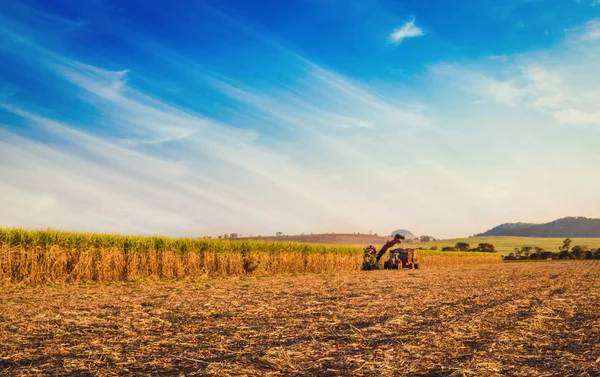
<point x="479" y="84"/>
<point x="590" y="31"/>
<point x="560" y="83"/>
<point x="408" y="30"/>
<point x="319" y="152"/>
<point x="280" y="186"/>
<point x="574" y="116"/>
<point x="499" y="58"/>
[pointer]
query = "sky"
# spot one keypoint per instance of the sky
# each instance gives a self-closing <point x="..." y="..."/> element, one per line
<point x="204" y="117"/>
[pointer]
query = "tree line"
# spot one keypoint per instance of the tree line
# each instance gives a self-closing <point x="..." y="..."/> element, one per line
<point x="464" y="246"/>
<point x="565" y="251"/>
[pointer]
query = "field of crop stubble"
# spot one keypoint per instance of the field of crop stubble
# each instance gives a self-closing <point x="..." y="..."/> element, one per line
<point x="535" y="319"/>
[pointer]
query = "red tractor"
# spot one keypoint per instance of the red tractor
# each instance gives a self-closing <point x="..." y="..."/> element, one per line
<point x="398" y="259"/>
<point x="402" y="258"/>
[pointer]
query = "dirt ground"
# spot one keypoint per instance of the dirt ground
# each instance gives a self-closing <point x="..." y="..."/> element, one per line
<point x="526" y="319"/>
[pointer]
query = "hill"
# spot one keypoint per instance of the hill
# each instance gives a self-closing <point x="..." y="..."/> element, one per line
<point x="406" y="233"/>
<point x="565" y="227"/>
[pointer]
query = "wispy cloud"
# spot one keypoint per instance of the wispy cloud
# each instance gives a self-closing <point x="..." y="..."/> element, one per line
<point x="480" y="84"/>
<point x="283" y="184"/>
<point x="299" y="148"/>
<point x="560" y="83"/>
<point x="408" y="30"/>
<point x="590" y="31"/>
<point x="574" y="116"/>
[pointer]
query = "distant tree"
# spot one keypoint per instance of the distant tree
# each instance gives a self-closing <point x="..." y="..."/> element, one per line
<point x="462" y="246"/>
<point x="425" y="238"/>
<point x="578" y="251"/>
<point x="518" y="252"/>
<point x="433" y="248"/>
<point x="597" y="254"/>
<point x="564" y="254"/>
<point x="526" y="250"/>
<point x="448" y="248"/>
<point x="534" y="256"/>
<point x="375" y="234"/>
<point x="220" y="237"/>
<point x="589" y="254"/>
<point x="566" y="245"/>
<point x="233" y="235"/>
<point x="486" y="247"/>
<point x="510" y="256"/>
<point x="548" y="255"/>
<point x="538" y="250"/>
<point x="279" y="234"/>
<point x="226" y="236"/>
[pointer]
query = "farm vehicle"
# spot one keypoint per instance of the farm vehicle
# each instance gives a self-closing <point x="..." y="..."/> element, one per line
<point x="398" y="259"/>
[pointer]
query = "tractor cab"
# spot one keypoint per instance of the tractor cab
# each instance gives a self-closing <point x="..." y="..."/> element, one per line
<point x="402" y="258"/>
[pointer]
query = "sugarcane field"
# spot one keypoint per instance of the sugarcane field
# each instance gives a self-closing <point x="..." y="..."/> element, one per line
<point x="87" y="304"/>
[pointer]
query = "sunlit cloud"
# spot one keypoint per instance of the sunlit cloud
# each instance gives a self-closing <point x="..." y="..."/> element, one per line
<point x="408" y="30"/>
<point x="589" y="31"/>
<point x="299" y="148"/>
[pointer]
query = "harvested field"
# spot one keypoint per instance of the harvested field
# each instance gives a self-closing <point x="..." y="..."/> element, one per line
<point x="538" y="319"/>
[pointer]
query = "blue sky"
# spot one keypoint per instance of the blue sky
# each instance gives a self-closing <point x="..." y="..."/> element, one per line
<point x="209" y="117"/>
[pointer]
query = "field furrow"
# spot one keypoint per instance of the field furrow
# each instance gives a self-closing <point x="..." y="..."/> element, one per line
<point x="537" y="319"/>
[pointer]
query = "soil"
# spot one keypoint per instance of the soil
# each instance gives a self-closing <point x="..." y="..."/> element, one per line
<point x="529" y="319"/>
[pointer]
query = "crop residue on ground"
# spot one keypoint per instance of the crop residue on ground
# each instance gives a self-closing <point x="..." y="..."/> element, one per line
<point x="488" y="320"/>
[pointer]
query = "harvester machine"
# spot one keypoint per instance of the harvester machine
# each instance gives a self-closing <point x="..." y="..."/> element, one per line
<point x="398" y="259"/>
